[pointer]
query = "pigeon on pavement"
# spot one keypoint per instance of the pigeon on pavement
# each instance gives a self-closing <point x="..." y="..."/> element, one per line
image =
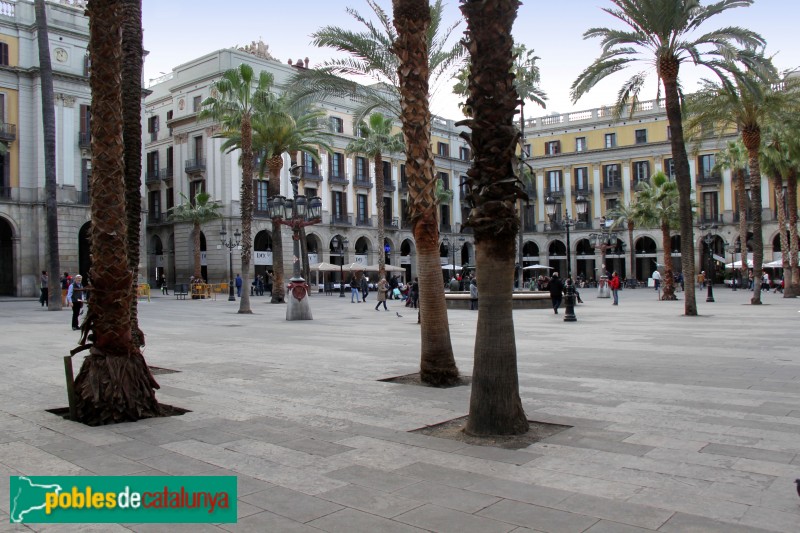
<point x="398" y="314"/>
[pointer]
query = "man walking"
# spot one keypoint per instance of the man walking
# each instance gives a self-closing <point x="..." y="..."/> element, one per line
<point x="556" y="291"/>
<point x="355" y="290"/>
<point x="75" y="297"/>
<point x="44" y="296"/>
<point x="238" y="283"/>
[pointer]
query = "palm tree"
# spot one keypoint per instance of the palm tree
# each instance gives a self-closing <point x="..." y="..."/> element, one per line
<point x="746" y="103"/>
<point x="734" y="158"/>
<point x="282" y="125"/>
<point x="196" y="213"/>
<point x="233" y="100"/>
<point x="776" y="162"/>
<point x="373" y="55"/>
<point x="662" y="34"/>
<point x="656" y="206"/>
<point x="626" y="214"/>
<point x="495" y="407"/>
<point x="412" y="18"/>
<point x="791" y="140"/>
<point x="132" y="61"/>
<point x="114" y="383"/>
<point x="49" y="128"/>
<point x="376" y="139"/>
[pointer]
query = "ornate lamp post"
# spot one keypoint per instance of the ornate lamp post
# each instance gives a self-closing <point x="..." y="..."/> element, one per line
<point x="604" y="241"/>
<point x="551" y="206"/>
<point x="341" y="246"/>
<point x="734" y="249"/>
<point x="453" y="247"/>
<point x="297" y="212"/>
<point x="709" y="242"/>
<point x="230" y="244"/>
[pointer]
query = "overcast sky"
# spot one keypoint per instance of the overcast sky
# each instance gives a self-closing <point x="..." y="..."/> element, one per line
<point x="177" y="31"/>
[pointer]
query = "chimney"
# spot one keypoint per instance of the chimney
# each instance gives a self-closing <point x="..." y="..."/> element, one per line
<point x="306" y="62"/>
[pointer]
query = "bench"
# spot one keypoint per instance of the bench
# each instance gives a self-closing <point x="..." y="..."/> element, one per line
<point x="181" y="291"/>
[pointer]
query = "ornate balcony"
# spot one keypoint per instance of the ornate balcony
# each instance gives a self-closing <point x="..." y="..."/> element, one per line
<point x="8" y="132"/>
<point x="341" y="220"/>
<point x="195" y="165"/>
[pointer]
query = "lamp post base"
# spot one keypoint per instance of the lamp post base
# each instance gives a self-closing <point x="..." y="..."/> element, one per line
<point x="231" y="295"/>
<point x="298" y="308"/>
<point x="710" y="296"/>
<point x="569" y="300"/>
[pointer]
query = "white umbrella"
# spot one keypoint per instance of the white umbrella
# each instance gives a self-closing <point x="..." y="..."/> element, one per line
<point x="450" y="267"/>
<point x="354" y="267"/>
<point x="774" y="264"/>
<point x="387" y="268"/>
<point x="324" y="267"/>
<point x="738" y="264"/>
<point x="537" y="267"/>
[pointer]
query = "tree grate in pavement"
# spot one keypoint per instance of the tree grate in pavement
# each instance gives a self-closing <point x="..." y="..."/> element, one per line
<point x="454" y="430"/>
<point x="414" y="379"/>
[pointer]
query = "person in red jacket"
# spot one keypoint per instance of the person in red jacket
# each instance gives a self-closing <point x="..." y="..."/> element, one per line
<point x="613" y="284"/>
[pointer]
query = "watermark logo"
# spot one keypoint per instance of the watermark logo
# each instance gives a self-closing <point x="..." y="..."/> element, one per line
<point x="114" y="499"/>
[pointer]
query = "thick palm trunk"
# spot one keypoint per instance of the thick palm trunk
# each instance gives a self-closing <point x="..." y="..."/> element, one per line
<point x="114" y="383"/>
<point x="741" y="194"/>
<point x="196" y="254"/>
<point x="633" y="251"/>
<point x="247" y="211"/>
<point x="684" y="181"/>
<point x="274" y="166"/>
<point x="379" y="188"/>
<point x="791" y="190"/>
<point x="49" y="128"/>
<point x="495" y="407"/>
<point x="411" y="20"/>
<point x="668" y="279"/>
<point x="752" y="142"/>
<point x="132" y="60"/>
<point x="780" y="198"/>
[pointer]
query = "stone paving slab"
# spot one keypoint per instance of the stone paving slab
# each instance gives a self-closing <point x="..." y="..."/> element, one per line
<point x="679" y="424"/>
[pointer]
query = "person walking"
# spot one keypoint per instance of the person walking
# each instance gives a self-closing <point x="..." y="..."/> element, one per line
<point x="657" y="281"/>
<point x="66" y="281"/>
<point x="75" y="297"/>
<point x="364" y="287"/>
<point x="43" y="288"/>
<point x="355" y="290"/>
<point x="164" y="288"/>
<point x="383" y="289"/>
<point x="556" y="291"/>
<point x="614" y="284"/>
<point x="414" y="294"/>
<point x="473" y="295"/>
<point x="238" y="283"/>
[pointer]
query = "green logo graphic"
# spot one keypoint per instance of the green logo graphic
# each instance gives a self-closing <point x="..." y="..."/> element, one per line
<point x="114" y="499"/>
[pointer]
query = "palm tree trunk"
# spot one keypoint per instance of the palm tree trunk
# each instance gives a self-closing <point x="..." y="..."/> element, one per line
<point x="752" y="141"/>
<point x="411" y="20"/>
<point x="684" y="181"/>
<point x="274" y="166"/>
<point x="379" y="188"/>
<point x="780" y="198"/>
<point x="633" y="251"/>
<point x="49" y="127"/>
<point x="114" y="383"/>
<point x="741" y="194"/>
<point x="668" y="279"/>
<point x="794" y="275"/>
<point x="196" y="254"/>
<point x="247" y="211"/>
<point x="132" y="60"/>
<point x="495" y="407"/>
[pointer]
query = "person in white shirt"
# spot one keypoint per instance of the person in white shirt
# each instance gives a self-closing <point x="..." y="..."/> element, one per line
<point x="657" y="278"/>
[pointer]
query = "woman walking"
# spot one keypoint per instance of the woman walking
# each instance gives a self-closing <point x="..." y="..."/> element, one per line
<point x="383" y="288"/>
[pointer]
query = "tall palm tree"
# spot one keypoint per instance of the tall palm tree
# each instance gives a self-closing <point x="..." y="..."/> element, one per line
<point x="775" y="161"/>
<point x="791" y="139"/>
<point x="132" y="62"/>
<point x="495" y="407"/>
<point x="412" y="19"/>
<point x="375" y="140"/>
<point x="746" y="103"/>
<point x="626" y="215"/>
<point x="282" y="125"/>
<point x="49" y="128"/>
<point x="734" y="158"/>
<point x="372" y="55"/>
<point x="114" y="383"/>
<point x="656" y="206"/>
<point x="233" y="100"/>
<point x="196" y="213"/>
<point x="662" y="33"/>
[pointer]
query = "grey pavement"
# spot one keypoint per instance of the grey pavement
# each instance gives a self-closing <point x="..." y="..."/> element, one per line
<point x="679" y="424"/>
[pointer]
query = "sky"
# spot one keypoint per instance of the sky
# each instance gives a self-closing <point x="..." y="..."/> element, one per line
<point x="177" y="31"/>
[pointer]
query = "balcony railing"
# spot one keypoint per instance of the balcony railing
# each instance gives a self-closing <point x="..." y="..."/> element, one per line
<point x="555" y="193"/>
<point x="166" y="173"/>
<point x="612" y="186"/>
<point x="195" y="165"/>
<point x="83" y="197"/>
<point x="529" y="226"/>
<point x="388" y="186"/>
<point x="341" y="180"/>
<point x="585" y="191"/>
<point x="709" y="219"/>
<point x="392" y="224"/>
<point x="156" y="218"/>
<point x="5" y="193"/>
<point x="8" y="132"/>
<point x="364" y="222"/>
<point x="341" y="220"/>
<point x="363" y="182"/>
<point x="445" y="227"/>
<point x="554" y="226"/>
<point x="709" y="179"/>
<point x="737" y="218"/>
<point x="403" y="185"/>
<point x="84" y="139"/>
<point x="152" y="176"/>
<point x="583" y="224"/>
<point x="311" y="176"/>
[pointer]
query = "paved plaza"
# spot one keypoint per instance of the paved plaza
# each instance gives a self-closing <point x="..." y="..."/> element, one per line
<point x="679" y="424"/>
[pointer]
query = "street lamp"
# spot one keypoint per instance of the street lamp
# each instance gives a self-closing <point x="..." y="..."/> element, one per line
<point x="340" y="245"/>
<point x="230" y="244"/>
<point x="453" y="247"/>
<point x="296" y="212"/>
<point x="709" y="241"/>
<point x="551" y="207"/>
<point x="604" y="241"/>
<point x="734" y="249"/>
